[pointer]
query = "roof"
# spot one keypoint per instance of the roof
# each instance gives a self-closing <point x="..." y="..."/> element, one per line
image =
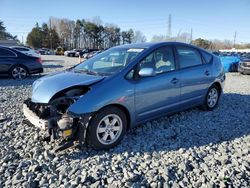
<point x="149" y="44"/>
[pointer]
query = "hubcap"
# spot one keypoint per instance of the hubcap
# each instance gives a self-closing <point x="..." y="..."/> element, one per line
<point x="109" y="129"/>
<point x="212" y="97"/>
<point x="19" y="73"/>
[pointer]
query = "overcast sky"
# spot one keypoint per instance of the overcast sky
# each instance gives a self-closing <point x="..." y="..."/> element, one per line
<point x="209" y="19"/>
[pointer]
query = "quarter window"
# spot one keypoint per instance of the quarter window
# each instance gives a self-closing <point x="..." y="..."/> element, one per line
<point x="6" y="53"/>
<point x="207" y="57"/>
<point x="161" y="60"/>
<point x="188" y="57"/>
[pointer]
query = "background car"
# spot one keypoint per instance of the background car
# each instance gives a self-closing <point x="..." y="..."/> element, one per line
<point x="123" y="87"/>
<point x="18" y="65"/>
<point x="85" y="52"/>
<point x="92" y="54"/>
<point x="59" y="51"/>
<point x="244" y="65"/>
<point x="26" y="50"/>
<point x="72" y="53"/>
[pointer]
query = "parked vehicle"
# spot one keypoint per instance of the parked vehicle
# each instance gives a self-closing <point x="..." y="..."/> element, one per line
<point x="44" y="51"/>
<point x="27" y="51"/>
<point x="92" y="54"/>
<point x="244" y="65"/>
<point x="59" y="51"/>
<point x="98" y="100"/>
<point x="230" y="63"/>
<point x="87" y="51"/>
<point x="72" y="53"/>
<point x="18" y="65"/>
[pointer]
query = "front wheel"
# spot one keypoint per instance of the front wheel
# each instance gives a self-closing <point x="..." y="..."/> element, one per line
<point x="18" y="72"/>
<point x="212" y="98"/>
<point x="106" y="128"/>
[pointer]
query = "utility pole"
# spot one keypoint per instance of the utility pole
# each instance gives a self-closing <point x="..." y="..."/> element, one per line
<point x="169" y="25"/>
<point x="50" y="37"/>
<point x="22" y="39"/>
<point x="191" y="35"/>
<point x="235" y="34"/>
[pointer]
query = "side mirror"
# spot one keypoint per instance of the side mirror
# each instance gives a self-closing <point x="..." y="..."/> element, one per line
<point x="146" y="72"/>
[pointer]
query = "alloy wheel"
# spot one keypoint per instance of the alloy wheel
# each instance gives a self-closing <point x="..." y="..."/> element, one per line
<point x="19" y="73"/>
<point x="212" y="97"/>
<point x="109" y="129"/>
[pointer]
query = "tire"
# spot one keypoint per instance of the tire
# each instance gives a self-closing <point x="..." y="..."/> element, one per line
<point x="212" y="98"/>
<point x="18" y="72"/>
<point x="100" y="129"/>
<point x="70" y="55"/>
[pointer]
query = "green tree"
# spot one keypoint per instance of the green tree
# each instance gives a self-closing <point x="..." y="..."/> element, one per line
<point x="35" y="37"/>
<point x="55" y="40"/>
<point x="4" y="35"/>
<point x="202" y="43"/>
<point x="43" y="37"/>
<point x="127" y="36"/>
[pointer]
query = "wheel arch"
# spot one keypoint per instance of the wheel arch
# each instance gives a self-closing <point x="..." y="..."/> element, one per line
<point x="218" y="85"/>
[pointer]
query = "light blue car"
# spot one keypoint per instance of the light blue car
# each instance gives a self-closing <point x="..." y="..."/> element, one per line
<point x="97" y="101"/>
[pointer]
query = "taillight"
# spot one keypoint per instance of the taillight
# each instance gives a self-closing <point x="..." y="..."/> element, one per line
<point x="39" y="60"/>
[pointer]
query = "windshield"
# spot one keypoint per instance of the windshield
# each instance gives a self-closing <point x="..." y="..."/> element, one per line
<point x="109" y="62"/>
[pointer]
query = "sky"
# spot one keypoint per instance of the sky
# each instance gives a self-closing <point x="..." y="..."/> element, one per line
<point x="209" y="19"/>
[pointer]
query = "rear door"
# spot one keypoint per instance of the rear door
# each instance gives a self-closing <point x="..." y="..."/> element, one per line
<point x="158" y="94"/>
<point x="7" y="58"/>
<point x="195" y="75"/>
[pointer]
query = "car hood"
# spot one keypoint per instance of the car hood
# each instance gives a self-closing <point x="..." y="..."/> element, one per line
<point x="46" y="87"/>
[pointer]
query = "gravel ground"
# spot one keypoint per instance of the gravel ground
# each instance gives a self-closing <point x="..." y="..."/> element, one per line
<point x="189" y="149"/>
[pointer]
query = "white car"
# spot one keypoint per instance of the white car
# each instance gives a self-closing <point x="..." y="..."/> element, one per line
<point x="27" y="51"/>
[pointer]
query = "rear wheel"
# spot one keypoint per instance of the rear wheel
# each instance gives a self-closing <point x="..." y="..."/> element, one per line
<point x="106" y="128"/>
<point x="212" y="98"/>
<point x="18" y="72"/>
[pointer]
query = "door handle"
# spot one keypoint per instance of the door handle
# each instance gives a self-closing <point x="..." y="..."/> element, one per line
<point x="174" y="81"/>
<point x="207" y="73"/>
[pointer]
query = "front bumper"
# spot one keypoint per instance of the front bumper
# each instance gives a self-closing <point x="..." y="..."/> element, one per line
<point x="34" y="119"/>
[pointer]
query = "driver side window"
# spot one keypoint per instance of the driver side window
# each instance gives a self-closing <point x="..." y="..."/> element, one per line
<point x="161" y="60"/>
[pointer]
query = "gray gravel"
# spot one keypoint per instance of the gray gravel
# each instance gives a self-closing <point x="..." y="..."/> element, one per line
<point x="189" y="149"/>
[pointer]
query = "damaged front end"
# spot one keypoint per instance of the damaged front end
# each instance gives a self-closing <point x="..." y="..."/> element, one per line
<point x="56" y="120"/>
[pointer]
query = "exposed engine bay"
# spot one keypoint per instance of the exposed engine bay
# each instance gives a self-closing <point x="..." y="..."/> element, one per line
<point x="55" y="119"/>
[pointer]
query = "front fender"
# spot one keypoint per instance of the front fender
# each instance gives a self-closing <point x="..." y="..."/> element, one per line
<point x="100" y="95"/>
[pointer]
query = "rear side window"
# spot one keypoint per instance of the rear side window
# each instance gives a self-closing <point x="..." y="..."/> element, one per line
<point x="6" y="53"/>
<point x="188" y="57"/>
<point x="207" y="57"/>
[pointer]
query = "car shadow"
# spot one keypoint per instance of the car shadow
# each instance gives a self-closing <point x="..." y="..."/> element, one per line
<point x="52" y="66"/>
<point x="188" y="129"/>
<point x="48" y="61"/>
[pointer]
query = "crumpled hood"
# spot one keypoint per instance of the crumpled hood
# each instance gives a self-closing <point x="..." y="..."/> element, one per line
<point x="46" y="87"/>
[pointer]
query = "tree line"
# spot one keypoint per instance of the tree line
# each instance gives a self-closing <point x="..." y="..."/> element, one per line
<point x="212" y="45"/>
<point x="78" y="34"/>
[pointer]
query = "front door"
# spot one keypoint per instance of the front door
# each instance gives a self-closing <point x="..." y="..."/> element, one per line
<point x="158" y="94"/>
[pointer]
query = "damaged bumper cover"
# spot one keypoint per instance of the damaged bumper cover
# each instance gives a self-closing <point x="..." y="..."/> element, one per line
<point x="34" y="119"/>
<point x="67" y="126"/>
